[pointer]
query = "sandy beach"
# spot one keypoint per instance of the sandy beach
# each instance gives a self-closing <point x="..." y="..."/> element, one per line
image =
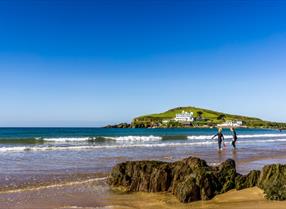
<point x="244" y="199"/>
<point x="96" y="194"/>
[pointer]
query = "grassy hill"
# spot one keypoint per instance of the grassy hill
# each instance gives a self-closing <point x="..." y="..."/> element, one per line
<point x="203" y="117"/>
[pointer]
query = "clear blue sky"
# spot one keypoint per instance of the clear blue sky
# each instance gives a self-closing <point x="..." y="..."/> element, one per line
<point x="89" y="63"/>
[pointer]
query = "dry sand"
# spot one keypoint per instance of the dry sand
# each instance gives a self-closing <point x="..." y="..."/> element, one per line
<point x="244" y="199"/>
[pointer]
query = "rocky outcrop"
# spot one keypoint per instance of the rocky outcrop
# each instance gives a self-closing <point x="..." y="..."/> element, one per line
<point x="273" y="181"/>
<point x="192" y="179"/>
<point x="120" y="125"/>
<point x="246" y="181"/>
<point x="189" y="180"/>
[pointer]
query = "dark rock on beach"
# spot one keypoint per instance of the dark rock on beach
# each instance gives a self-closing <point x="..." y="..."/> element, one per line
<point x="273" y="181"/>
<point x="189" y="180"/>
<point x="247" y="181"/>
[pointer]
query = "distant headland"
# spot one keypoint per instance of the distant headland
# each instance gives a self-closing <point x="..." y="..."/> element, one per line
<point x="194" y="117"/>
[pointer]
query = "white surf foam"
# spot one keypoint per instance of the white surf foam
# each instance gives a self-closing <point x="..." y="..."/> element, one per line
<point x="67" y="139"/>
<point x="135" y="138"/>
<point x="72" y="183"/>
<point x="260" y="135"/>
<point x="153" y="138"/>
<point x="118" y="138"/>
<point x="239" y="136"/>
<point x="122" y="146"/>
<point x="57" y="148"/>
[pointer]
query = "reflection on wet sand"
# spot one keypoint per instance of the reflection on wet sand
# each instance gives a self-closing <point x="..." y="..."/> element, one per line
<point x="97" y="194"/>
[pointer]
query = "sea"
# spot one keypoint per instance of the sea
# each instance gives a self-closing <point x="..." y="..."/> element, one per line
<point x="30" y="156"/>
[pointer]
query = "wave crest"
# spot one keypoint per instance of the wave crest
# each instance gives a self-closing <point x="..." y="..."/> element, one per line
<point x="135" y="138"/>
<point x="67" y="139"/>
<point x="122" y="146"/>
<point x="194" y="137"/>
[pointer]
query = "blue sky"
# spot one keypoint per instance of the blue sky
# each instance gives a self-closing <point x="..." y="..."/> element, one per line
<point x="89" y="63"/>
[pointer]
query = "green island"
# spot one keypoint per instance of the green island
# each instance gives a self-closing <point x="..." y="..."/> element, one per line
<point x="195" y="117"/>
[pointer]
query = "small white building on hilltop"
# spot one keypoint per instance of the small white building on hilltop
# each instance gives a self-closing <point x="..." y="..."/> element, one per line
<point x="165" y="121"/>
<point x="184" y="117"/>
<point x="231" y="124"/>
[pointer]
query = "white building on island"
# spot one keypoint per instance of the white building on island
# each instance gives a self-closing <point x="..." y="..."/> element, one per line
<point x="231" y="124"/>
<point x="184" y="117"/>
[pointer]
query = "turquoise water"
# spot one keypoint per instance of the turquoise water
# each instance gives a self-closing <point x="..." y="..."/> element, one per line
<point x="29" y="134"/>
<point x="31" y="153"/>
<point x="60" y="139"/>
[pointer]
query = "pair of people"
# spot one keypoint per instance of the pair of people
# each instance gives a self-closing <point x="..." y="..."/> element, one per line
<point x="220" y="138"/>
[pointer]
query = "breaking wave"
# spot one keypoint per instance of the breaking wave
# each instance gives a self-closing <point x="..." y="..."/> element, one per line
<point x="87" y="147"/>
<point x="67" y="139"/>
<point x="95" y="139"/>
<point x="135" y="138"/>
<point x="239" y="136"/>
<point x="122" y="146"/>
<point x="150" y="138"/>
<point x="39" y="140"/>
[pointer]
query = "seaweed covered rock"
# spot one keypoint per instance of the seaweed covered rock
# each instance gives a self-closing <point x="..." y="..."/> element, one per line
<point x="226" y="174"/>
<point x="247" y="181"/>
<point x="147" y="176"/>
<point x="189" y="180"/>
<point x="273" y="181"/>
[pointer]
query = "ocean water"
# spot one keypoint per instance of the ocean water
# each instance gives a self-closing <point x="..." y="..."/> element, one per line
<point x="33" y="154"/>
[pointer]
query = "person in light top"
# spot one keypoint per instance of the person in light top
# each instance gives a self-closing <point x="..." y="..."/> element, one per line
<point x="220" y="138"/>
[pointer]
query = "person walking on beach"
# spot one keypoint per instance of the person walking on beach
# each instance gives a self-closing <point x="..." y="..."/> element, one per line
<point x="220" y="138"/>
<point x="234" y="137"/>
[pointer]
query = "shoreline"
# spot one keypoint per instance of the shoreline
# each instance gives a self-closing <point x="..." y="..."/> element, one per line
<point x="96" y="193"/>
<point x="49" y="186"/>
<point x="51" y="180"/>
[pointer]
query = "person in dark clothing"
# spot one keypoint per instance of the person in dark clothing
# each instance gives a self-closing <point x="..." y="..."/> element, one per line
<point x="234" y="137"/>
<point x="220" y="138"/>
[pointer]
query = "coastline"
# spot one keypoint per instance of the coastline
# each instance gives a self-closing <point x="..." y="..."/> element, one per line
<point x="129" y="126"/>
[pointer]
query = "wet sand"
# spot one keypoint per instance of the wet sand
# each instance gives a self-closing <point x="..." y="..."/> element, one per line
<point x="96" y="194"/>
